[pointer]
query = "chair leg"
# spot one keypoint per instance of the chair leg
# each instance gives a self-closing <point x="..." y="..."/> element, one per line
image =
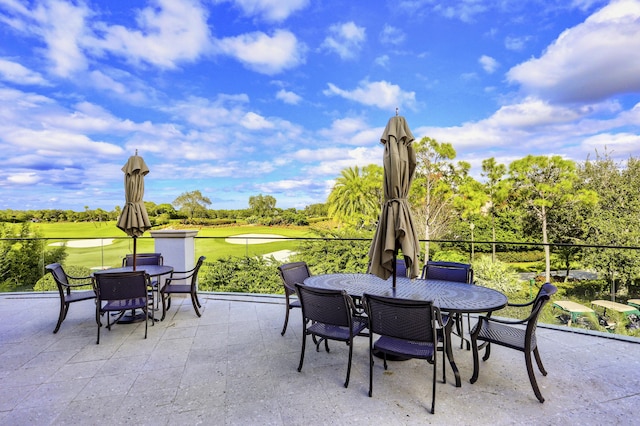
<point x="539" y="362"/>
<point x="304" y="342"/>
<point x="64" y="307"/>
<point x="435" y="372"/>
<point x="371" y="366"/>
<point x="532" y="377"/>
<point x="194" y="302"/>
<point x="286" y="319"/>
<point x="146" y="319"/>
<point x="99" y="323"/>
<point x="346" y="382"/>
<point x="476" y="363"/>
<point x="164" y="306"/>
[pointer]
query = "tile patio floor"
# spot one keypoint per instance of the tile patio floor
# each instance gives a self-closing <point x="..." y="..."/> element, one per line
<point x="232" y="367"/>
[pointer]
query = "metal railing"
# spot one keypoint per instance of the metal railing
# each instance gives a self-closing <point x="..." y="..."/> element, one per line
<point x="578" y="284"/>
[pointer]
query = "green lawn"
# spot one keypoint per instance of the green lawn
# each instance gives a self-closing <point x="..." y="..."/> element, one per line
<point x="209" y="241"/>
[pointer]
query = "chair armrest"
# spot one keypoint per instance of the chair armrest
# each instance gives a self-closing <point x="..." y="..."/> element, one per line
<point x="521" y="305"/>
<point x="86" y="281"/>
<point x="503" y="321"/>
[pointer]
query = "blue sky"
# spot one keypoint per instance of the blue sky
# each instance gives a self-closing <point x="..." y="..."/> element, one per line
<point x="243" y="97"/>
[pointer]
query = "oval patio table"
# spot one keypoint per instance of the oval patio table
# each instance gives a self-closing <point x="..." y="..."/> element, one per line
<point x="151" y="270"/>
<point x="449" y="296"/>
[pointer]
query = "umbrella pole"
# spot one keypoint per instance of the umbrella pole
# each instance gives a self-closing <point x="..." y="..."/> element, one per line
<point x="393" y="267"/>
<point x="134" y="252"/>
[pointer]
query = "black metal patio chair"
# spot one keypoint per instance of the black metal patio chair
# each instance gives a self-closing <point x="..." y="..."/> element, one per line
<point x="170" y="287"/>
<point x="290" y="274"/>
<point x="120" y="292"/>
<point x="147" y="259"/>
<point x="65" y="284"/>
<point x="508" y="333"/>
<point x="328" y="314"/>
<point x="451" y="271"/>
<point x="407" y="329"/>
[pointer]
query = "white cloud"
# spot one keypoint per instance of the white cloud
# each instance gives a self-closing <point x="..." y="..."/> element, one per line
<point x="264" y="54"/>
<point x="269" y="10"/>
<point x="591" y="61"/>
<point x="488" y="64"/>
<point x="23" y="179"/>
<point x="392" y="35"/>
<point x="516" y="43"/>
<point x="381" y="94"/>
<point x="345" y="39"/>
<point x="62" y="26"/>
<point x="253" y="121"/>
<point x="382" y="61"/>
<point x="288" y="97"/>
<point x="169" y="33"/>
<point x="16" y="73"/>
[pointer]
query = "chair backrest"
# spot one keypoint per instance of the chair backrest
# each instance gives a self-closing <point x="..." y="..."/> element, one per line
<point x="292" y="273"/>
<point x="326" y="306"/>
<point x="544" y="295"/>
<point x="448" y="271"/>
<point x="196" y="269"/>
<point x="401" y="268"/>
<point x="401" y="318"/>
<point x="121" y="285"/>
<point x="59" y="276"/>
<point x="143" y="259"/>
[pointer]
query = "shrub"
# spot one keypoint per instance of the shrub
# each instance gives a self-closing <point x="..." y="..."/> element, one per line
<point x="497" y="275"/>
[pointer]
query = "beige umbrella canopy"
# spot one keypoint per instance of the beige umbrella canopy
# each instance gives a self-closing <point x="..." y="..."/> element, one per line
<point x="395" y="227"/>
<point x="134" y="219"/>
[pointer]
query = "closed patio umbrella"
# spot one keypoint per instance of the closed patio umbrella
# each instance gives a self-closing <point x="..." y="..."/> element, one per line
<point x="134" y="219"/>
<point x="395" y="226"/>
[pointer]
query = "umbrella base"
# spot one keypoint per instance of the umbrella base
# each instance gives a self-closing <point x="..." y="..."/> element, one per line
<point x="132" y="317"/>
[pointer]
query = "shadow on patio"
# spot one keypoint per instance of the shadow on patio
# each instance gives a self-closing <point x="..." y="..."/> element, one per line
<point x="231" y="366"/>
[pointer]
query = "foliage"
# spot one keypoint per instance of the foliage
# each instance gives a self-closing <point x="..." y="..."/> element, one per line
<point x="192" y="204"/>
<point x="349" y="253"/>
<point x="434" y="188"/>
<point x="543" y="184"/>
<point x="248" y="274"/>
<point x="497" y="275"/>
<point x="262" y="205"/>
<point x="356" y="197"/>
<point x="47" y="283"/>
<point x="23" y="256"/>
<point x="614" y="220"/>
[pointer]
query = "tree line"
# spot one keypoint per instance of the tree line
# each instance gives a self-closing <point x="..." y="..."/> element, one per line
<point x="546" y="200"/>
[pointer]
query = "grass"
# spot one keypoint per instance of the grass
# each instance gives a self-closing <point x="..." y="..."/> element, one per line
<point x="210" y="241"/>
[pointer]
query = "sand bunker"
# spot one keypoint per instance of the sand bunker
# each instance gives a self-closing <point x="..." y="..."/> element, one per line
<point x="86" y="243"/>
<point x="254" y="238"/>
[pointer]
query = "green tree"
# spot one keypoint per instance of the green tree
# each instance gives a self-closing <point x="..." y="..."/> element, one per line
<point x="23" y="255"/>
<point x="544" y="183"/>
<point x="497" y="189"/>
<point x="434" y="187"/>
<point x="262" y="205"/>
<point x="613" y="221"/>
<point x="192" y="204"/>
<point x="355" y="198"/>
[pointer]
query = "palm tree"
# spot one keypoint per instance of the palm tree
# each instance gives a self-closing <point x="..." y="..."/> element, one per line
<point x="355" y="197"/>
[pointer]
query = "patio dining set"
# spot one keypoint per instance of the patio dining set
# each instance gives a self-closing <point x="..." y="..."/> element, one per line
<point x="411" y="318"/>
<point x="142" y="283"/>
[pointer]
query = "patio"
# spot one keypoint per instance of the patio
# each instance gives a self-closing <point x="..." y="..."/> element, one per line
<point x="231" y="366"/>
